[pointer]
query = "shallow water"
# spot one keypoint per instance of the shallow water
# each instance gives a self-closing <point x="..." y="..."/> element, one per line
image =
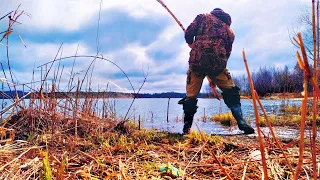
<point x="153" y="114"/>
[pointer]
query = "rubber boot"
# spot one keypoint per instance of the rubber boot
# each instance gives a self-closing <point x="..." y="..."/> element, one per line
<point x="189" y="108"/>
<point x="188" y="119"/>
<point x="242" y="124"/>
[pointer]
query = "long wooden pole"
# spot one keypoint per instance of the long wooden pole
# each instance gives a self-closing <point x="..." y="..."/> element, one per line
<point x="213" y="86"/>
<point x="174" y="17"/>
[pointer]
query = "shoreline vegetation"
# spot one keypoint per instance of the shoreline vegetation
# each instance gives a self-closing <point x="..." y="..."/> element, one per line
<point x="43" y="143"/>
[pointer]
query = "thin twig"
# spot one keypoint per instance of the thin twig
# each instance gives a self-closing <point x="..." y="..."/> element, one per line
<point x="6" y="15"/>
<point x="17" y="158"/>
<point x="52" y="62"/>
<point x="88" y="56"/>
<point x="134" y="98"/>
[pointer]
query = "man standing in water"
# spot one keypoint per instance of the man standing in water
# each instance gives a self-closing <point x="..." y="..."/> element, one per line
<point x="210" y="38"/>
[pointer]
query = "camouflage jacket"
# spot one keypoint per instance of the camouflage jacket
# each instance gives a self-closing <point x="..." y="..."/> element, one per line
<point x="213" y="41"/>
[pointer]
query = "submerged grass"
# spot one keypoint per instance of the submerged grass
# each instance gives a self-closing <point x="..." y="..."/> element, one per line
<point x="289" y="120"/>
<point x="225" y="119"/>
<point x="290" y="109"/>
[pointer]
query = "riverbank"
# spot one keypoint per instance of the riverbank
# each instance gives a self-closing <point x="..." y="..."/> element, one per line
<point x="120" y="95"/>
<point x="46" y="145"/>
<point x="283" y="96"/>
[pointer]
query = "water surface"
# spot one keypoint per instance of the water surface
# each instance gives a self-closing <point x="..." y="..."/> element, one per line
<point x="153" y="114"/>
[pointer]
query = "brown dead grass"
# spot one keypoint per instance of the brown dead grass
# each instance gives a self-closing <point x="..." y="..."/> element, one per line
<point x="103" y="153"/>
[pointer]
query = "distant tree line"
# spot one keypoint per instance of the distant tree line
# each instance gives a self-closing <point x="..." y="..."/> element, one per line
<point x="167" y="95"/>
<point x="268" y="80"/>
<point x="12" y="95"/>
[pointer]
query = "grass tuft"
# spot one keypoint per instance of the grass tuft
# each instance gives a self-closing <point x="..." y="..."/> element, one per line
<point x="225" y="119"/>
<point x="46" y="165"/>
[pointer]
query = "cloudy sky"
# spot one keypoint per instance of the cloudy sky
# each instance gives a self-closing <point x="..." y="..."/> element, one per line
<point x="139" y="36"/>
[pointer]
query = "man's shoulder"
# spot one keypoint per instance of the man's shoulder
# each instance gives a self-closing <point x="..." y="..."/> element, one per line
<point x="203" y="14"/>
<point x="200" y="16"/>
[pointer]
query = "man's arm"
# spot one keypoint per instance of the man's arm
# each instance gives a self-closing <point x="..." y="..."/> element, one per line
<point x="192" y="30"/>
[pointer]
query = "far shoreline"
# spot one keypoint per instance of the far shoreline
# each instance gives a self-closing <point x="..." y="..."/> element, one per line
<point x="164" y="95"/>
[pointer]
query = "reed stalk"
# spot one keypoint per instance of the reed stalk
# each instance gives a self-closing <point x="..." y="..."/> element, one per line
<point x="76" y="107"/>
<point x="315" y="100"/>
<point x="46" y="106"/>
<point x="24" y="104"/>
<point x="305" y="65"/>
<point x="168" y="109"/>
<point x="2" y="104"/>
<point x="66" y="106"/>
<point x="307" y="75"/>
<point x="256" y="113"/>
<point x="302" y="129"/>
<point x="96" y="111"/>
<point x="274" y="136"/>
<point x="4" y="110"/>
<point x="60" y="77"/>
<point x="40" y="98"/>
<point x="5" y="76"/>
<point x="53" y="108"/>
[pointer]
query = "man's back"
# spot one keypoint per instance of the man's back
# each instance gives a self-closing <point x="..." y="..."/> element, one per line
<point x="213" y="40"/>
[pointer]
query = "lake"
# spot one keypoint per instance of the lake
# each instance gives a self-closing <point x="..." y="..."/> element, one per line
<point x="153" y="114"/>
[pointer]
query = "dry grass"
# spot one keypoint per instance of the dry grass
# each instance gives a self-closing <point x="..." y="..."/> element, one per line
<point x="137" y="155"/>
<point x="225" y="119"/>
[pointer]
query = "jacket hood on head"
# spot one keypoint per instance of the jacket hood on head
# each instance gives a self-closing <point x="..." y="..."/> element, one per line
<point x="220" y="14"/>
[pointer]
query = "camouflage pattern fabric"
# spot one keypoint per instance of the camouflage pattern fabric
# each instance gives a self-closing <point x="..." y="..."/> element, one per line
<point x="195" y="80"/>
<point x="213" y="41"/>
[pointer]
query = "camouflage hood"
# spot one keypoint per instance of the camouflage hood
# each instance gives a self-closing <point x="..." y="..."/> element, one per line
<point x="221" y="15"/>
